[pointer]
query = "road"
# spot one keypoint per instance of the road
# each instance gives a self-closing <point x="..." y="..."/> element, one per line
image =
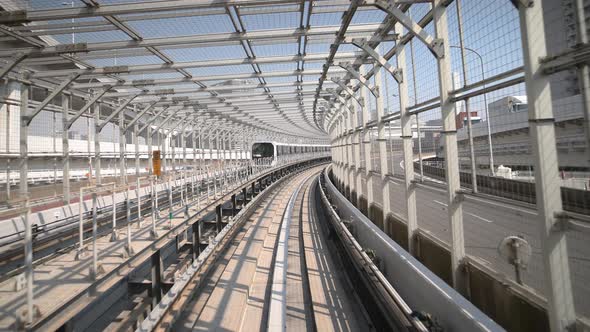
<point x="486" y="222"/>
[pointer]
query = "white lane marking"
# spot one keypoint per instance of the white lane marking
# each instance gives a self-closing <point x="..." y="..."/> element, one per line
<point x="471" y="214"/>
<point x="437" y="202"/>
<point x="478" y="217"/>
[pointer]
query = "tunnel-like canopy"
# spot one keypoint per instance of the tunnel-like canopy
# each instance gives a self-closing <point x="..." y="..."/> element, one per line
<point x="274" y="67"/>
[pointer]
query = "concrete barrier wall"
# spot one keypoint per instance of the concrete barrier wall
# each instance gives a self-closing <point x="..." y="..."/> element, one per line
<point x="498" y="298"/>
<point x="418" y="286"/>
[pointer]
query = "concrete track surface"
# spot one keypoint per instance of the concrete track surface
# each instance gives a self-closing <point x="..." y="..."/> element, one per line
<point x="277" y="270"/>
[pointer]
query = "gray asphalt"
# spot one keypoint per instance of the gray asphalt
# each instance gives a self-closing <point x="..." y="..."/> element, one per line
<point x="486" y="222"/>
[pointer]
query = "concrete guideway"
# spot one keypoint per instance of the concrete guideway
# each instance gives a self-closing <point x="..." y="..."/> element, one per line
<point x="246" y="290"/>
<point x="63" y="285"/>
<point x="142" y="82"/>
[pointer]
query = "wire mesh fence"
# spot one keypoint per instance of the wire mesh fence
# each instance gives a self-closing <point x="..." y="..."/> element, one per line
<point x="495" y="150"/>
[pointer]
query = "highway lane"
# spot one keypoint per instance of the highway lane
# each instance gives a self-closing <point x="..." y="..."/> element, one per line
<point x="486" y="222"/>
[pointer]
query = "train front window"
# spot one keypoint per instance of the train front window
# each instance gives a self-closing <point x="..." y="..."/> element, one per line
<point x="262" y="150"/>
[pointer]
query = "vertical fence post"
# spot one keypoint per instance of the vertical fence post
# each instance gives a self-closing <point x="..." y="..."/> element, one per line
<point x="24" y="132"/>
<point x="128" y="245"/>
<point x="561" y="309"/>
<point x="407" y="139"/>
<point x="415" y="97"/>
<point x="349" y="151"/>
<point x="358" y="141"/>
<point x="154" y="200"/>
<point x="114" y="221"/>
<point x="24" y="194"/>
<point x="137" y="169"/>
<point x="94" y="271"/>
<point x="449" y="133"/>
<point x="583" y="70"/>
<point x="97" y="161"/>
<point x="367" y="144"/>
<point x="341" y="166"/>
<point x="386" y="170"/>
<point x="196" y="240"/>
<point x="65" y="105"/>
<point x="122" y="148"/>
<point x="467" y="110"/>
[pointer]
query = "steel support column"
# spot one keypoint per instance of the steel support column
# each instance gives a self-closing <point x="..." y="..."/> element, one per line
<point x="367" y="145"/>
<point x="24" y="196"/>
<point x="562" y="315"/>
<point x="156" y="282"/>
<point x="386" y="169"/>
<point x="97" y="159"/>
<point x="350" y="151"/>
<point x="407" y="138"/>
<point x="65" y="105"/>
<point x="24" y="135"/>
<point x="122" y="149"/>
<point x="196" y="240"/>
<point x="449" y="133"/>
<point x="358" y="141"/>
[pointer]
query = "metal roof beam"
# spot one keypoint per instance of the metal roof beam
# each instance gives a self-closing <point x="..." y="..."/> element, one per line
<point x="13" y="62"/>
<point x="128" y="8"/>
<point x="140" y="114"/>
<point x="194" y="40"/>
<point x="52" y="95"/>
<point x="180" y="80"/>
<point x="92" y="101"/>
<point x="152" y="119"/>
<point x="390" y="7"/>
<point x="364" y="45"/>
<point x="151" y="68"/>
<point x="168" y="118"/>
<point x="355" y="74"/>
<point x="115" y="113"/>
<point x="347" y="89"/>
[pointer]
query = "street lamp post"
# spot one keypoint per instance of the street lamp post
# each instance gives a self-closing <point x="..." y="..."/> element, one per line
<point x="485" y="101"/>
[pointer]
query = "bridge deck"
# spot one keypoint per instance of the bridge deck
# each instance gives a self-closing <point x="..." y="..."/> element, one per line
<point x="60" y="280"/>
<point x="240" y="292"/>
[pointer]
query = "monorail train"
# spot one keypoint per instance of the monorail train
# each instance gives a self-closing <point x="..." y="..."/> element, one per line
<point x="274" y="150"/>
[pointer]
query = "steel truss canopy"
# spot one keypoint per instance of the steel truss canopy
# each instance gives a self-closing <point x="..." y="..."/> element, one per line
<point x="266" y="64"/>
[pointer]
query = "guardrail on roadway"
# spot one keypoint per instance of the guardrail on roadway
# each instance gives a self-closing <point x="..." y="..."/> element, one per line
<point x="574" y="200"/>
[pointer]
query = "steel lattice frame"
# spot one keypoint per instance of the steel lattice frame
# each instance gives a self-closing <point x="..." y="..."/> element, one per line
<point x="311" y="111"/>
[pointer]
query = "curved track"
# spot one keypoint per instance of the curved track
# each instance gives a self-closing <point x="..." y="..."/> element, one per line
<point x="276" y="270"/>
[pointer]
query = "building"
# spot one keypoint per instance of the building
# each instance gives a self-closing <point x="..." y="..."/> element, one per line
<point x="461" y="119"/>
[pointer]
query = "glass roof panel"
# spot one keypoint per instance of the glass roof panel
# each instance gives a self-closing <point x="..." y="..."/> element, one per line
<point x="182" y="26"/>
<point x="323" y="48"/>
<point x="220" y="70"/>
<point x="283" y="66"/>
<point x="126" y="61"/>
<point x="325" y="19"/>
<point x="277" y="49"/>
<point x="91" y="37"/>
<point x="271" y="21"/>
<point x="218" y="20"/>
<point x="368" y="16"/>
<point x="49" y="4"/>
<point x="280" y="79"/>
<point x="155" y="76"/>
<point x="206" y="53"/>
